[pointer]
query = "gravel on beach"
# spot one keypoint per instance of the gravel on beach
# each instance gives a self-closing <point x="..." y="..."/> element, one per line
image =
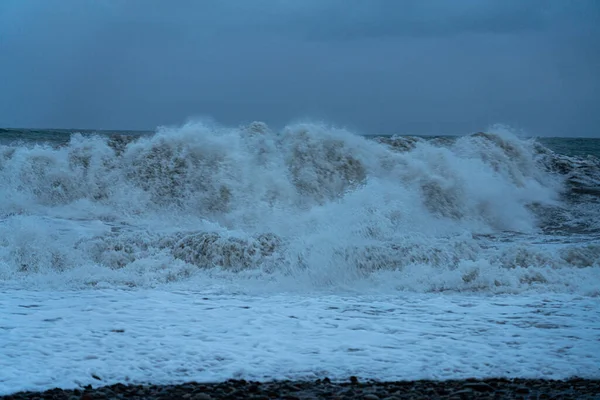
<point x="574" y="388"/>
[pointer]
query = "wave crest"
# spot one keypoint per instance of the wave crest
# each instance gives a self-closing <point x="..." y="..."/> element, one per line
<point x="310" y="200"/>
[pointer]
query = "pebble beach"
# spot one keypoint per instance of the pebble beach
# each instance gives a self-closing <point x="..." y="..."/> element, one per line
<point x="575" y="388"/>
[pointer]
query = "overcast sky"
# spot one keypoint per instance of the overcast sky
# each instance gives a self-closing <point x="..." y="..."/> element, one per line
<point x="376" y="66"/>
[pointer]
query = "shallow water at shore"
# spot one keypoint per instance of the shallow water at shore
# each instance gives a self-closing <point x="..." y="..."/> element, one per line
<point x="73" y="339"/>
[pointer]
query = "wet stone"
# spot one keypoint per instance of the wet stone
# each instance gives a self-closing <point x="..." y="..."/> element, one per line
<point x="462" y="393"/>
<point x="522" y="390"/>
<point x="369" y="390"/>
<point x="478" y="387"/>
<point x="371" y="397"/>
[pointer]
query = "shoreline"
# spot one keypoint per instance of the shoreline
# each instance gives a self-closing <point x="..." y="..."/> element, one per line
<point x="353" y="388"/>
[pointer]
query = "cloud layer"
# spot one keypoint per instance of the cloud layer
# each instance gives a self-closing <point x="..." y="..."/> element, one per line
<point x="381" y="66"/>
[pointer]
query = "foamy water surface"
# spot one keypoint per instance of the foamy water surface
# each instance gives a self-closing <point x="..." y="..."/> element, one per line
<point x="206" y="253"/>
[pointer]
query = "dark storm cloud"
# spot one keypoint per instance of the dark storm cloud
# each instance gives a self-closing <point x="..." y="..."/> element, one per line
<point x="432" y="66"/>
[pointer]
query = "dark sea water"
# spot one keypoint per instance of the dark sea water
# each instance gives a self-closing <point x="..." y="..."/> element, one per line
<point x="580" y="147"/>
<point x="56" y="136"/>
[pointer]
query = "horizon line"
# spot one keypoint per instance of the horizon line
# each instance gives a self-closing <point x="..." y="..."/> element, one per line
<point x="75" y="130"/>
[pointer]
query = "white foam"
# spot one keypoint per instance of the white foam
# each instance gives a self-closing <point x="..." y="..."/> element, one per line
<point x="338" y="209"/>
<point x="63" y="338"/>
<point x="319" y="252"/>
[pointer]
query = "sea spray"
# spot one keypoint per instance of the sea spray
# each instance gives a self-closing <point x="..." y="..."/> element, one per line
<point x="310" y="204"/>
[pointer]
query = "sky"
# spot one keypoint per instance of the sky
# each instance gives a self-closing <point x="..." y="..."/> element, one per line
<point x="373" y="66"/>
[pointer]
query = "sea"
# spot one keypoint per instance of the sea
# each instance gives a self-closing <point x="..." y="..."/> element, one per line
<point x="205" y="253"/>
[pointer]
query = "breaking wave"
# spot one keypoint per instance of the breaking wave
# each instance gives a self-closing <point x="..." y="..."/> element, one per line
<point x="308" y="205"/>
